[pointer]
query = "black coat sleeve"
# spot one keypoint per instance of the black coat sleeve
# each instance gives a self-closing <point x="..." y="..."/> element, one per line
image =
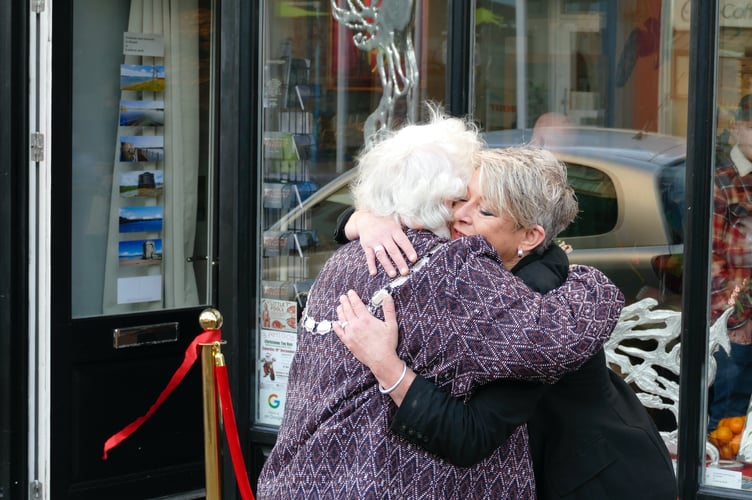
<point x="339" y="230"/>
<point x="465" y="433"/>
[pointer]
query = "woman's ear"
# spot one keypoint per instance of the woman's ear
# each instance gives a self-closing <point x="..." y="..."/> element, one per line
<point x="533" y="237"/>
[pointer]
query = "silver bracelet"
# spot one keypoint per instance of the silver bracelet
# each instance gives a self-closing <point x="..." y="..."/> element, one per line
<point x="397" y="383"/>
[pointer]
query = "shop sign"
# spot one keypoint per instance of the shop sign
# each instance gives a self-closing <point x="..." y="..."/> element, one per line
<point x="731" y="14"/>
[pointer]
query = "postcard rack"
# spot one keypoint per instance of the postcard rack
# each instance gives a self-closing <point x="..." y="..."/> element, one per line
<point x="139" y="180"/>
<point x="288" y="148"/>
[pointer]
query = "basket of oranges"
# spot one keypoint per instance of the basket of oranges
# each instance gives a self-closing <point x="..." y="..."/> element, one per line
<point x="727" y="436"/>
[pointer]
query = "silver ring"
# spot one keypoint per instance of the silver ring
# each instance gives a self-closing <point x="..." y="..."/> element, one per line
<point x="343" y="324"/>
<point x="378" y="248"/>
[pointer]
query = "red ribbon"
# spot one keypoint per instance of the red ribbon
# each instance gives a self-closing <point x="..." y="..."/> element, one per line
<point x="191" y="354"/>
<point x="231" y="431"/>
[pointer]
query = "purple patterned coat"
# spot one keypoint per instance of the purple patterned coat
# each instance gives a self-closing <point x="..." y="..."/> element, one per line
<point x="463" y="321"/>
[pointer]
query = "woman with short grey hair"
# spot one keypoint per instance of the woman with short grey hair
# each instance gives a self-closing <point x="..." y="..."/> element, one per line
<point x="590" y="437"/>
<point x="530" y="186"/>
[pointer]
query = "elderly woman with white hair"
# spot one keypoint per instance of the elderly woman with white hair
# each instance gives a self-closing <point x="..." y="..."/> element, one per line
<point x="590" y="436"/>
<point x="464" y="321"/>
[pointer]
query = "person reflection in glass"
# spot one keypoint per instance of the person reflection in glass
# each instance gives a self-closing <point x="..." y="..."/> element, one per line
<point x="731" y="269"/>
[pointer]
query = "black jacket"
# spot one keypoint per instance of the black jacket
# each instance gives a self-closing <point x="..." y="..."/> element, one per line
<point x="590" y="436"/>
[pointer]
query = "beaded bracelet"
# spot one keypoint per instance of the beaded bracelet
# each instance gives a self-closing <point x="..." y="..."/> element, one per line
<point x="397" y="383"/>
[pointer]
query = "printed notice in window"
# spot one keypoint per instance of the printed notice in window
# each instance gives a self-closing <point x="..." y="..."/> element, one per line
<point x="143" y="44"/>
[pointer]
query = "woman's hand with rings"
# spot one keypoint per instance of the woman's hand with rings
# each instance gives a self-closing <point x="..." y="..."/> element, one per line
<point x="383" y="240"/>
<point x="387" y="250"/>
<point x="372" y="341"/>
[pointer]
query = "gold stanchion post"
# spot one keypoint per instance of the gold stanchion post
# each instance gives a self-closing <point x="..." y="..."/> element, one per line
<point x="210" y="319"/>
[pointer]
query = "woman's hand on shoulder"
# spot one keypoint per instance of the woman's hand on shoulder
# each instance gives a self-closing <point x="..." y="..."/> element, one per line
<point x="383" y="240"/>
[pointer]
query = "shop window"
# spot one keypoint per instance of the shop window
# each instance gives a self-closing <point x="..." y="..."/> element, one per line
<point x="142" y="173"/>
<point x="334" y="75"/>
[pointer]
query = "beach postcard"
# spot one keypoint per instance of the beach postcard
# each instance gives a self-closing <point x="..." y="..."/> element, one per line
<point x="140" y="252"/>
<point x="142" y="78"/>
<point x="141" y="219"/>
<point x="142" y="113"/>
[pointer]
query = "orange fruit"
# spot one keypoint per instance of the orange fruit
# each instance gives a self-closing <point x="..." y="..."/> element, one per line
<point x="726" y="453"/>
<point x="723" y="434"/>
<point x="713" y="438"/>
<point x="735" y="443"/>
<point x="736" y="424"/>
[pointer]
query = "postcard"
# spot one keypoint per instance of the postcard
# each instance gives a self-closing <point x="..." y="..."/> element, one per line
<point x="140" y="252"/>
<point x="142" y="148"/>
<point x="140" y="289"/>
<point x="142" y="113"/>
<point x="140" y="78"/>
<point x="141" y="183"/>
<point x="141" y="219"/>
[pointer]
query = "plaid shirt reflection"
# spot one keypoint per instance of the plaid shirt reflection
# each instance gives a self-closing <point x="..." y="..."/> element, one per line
<point x="732" y="230"/>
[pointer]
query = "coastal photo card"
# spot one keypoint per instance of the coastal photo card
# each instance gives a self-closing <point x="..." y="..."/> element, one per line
<point x="142" y="78"/>
<point x="142" y="148"/>
<point x="140" y="252"/>
<point x="141" y="183"/>
<point x="142" y="113"/>
<point x="141" y="219"/>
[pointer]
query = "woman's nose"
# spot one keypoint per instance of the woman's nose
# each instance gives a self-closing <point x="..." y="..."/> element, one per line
<point x="460" y="210"/>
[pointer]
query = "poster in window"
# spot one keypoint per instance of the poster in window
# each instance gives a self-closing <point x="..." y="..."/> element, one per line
<point x="279" y="314"/>
<point x="276" y="350"/>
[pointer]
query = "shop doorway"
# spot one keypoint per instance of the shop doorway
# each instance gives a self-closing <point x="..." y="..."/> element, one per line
<point x="131" y="238"/>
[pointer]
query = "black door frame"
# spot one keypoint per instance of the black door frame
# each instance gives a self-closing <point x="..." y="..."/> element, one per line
<point x="237" y="244"/>
<point x="701" y="150"/>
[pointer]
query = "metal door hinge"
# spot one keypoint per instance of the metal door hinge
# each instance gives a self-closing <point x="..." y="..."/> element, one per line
<point x="35" y="490"/>
<point x="37" y="146"/>
<point x="37" y="6"/>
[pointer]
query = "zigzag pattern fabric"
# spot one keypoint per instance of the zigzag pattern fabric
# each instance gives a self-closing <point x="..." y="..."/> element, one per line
<point x="463" y="321"/>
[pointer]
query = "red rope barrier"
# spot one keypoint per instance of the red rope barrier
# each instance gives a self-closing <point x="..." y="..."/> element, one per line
<point x="231" y="430"/>
<point x="191" y="354"/>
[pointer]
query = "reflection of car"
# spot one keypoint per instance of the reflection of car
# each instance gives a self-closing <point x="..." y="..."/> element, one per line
<point x="307" y="229"/>
<point x="630" y="189"/>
